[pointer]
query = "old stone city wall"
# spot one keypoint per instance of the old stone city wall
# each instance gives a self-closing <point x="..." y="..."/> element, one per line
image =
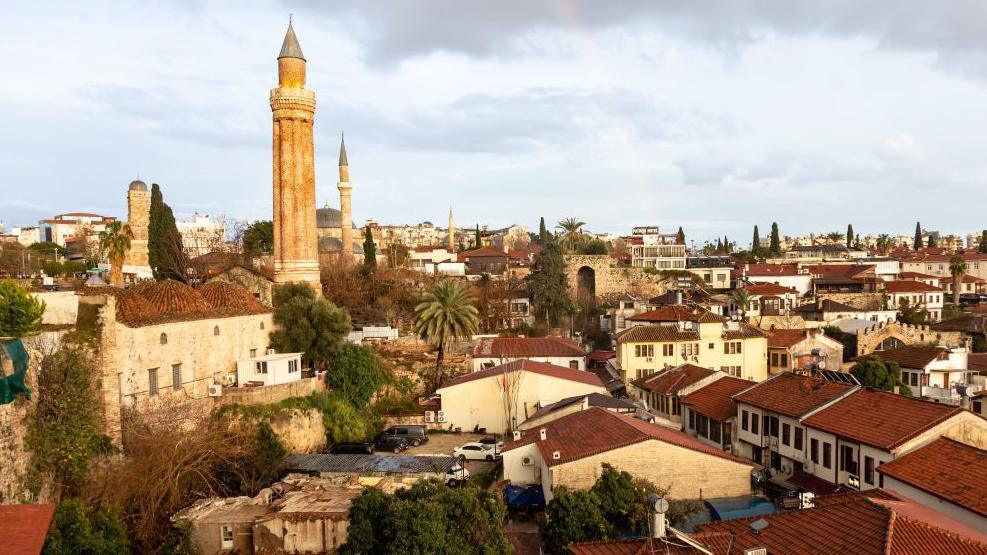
<point x="610" y="278"/>
<point x="14" y="459"/>
<point x="869" y="339"/>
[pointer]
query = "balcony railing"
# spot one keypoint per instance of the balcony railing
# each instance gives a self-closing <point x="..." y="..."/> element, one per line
<point x="944" y="395"/>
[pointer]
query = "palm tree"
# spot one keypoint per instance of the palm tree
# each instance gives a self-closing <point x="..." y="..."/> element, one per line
<point x="884" y="243"/>
<point x="115" y="241"/>
<point x="835" y="237"/>
<point x="446" y="314"/>
<point x="742" y="298"/>
<point x="957" y="267"/>
<point x="572" y="233"/>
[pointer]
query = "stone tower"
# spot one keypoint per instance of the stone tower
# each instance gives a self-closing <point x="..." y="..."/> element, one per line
<point x="345" y="208"/>
<point x="452" y="233"/>
<point x="296" y="249"/>
<point x="138" y="217"/>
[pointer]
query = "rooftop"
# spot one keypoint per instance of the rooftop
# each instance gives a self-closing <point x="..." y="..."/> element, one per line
<point x="715" y="400"/>
<point x="783" y="339"/>
<point x="792" y="394"/>
<point x="880" y="418"/>
<point x="597" y="430"/>
<point x="912" y="356"/>
<point x="543" y="368"/>
<point x="672" y="380"/>
<point x="592" y="399"/>
<point x="947" y="469"/>
<point x="156" y="302"/>
<point x="25" y="527"/>
<point x="767" y="289"/>
<point x="908" y="286"/>
<point x="512" y="347"/>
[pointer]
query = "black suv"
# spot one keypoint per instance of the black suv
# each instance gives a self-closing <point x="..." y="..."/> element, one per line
<point x="360" y="448"/>
<point x="414" y="433"/>
<point x="394" y="444"/>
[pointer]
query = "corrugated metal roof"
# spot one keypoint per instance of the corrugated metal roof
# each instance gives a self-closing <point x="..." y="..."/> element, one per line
<point x="368" y="464"/>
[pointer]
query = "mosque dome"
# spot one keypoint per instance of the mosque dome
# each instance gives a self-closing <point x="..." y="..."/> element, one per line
<point x="222" y="294"/>
<point x="137" y="185"/>
<point x="173" y="297"/>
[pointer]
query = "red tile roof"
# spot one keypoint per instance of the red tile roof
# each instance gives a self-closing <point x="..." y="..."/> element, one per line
<point x="768" y="289"/>
<point x="715" y="400"/>
<point x="792" y="394"/>
<point x="717" y="543"/>
<point x="783" y="339"/>
<point x="670" y="313"/>
<point x="647" y="334"/>
<point x="880" y="418"/>
<point x="846" y="271"/>
<point x="25" y="528"/>
<point x="484" y="252"/>
<point x="596" y="430"/>
<point x="545" y="369"/>
<point x="906" y="286"/>
<point x="947" y="469"/>
<point x="977" y="362"/>
<point x="771" y="269"/>
<point x="916" y="275"/>
<point x="912" y="356"/>
<point x="858" y="525"/>
<point x="672" y="380"/>
<point x="509" y="347"/>
<point x="223" y="294"/>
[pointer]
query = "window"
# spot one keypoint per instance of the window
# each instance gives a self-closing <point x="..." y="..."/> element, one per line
<point x="292" y="365"/>
<point x="262" y="325"/>
<point x="827" y="455"/>
<point x="176" y="376"/>
<point x="226" y="536"/>
<point x="798" y="438"/>
<point x="786" y="431"/>
<point x="743" y="420"/>
<point x="260" y="367"/>
<point x="676" y="407"/>
<point x="754" y="424"/>
<point x="774" y="359"/>
<point x="814" y="450"/>
<point x="668" y="350"/>
<point x="574" y="364"/>
<point x="620" y="322"/>
<point x="772" y="425"/>
<point x="164" y="339"/>
<point x="152" y="381"/>
<point x="215" y="330"/>
<point x="712" y="346"/>
<point x="978" y="407"/>
<point x="644" y="351"/>
<point x="784" y="360"/>
<point x="732" y="348"/>
<point x="869" y="470"/>
<point x="714" y="431"/>
<point x="848" y="462"/>
<point x="253" y="353"/>
<point x="690" y="349"/>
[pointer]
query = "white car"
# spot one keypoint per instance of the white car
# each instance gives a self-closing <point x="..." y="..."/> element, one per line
<point x="476" y="451"/>
<point x="456" y="476"/>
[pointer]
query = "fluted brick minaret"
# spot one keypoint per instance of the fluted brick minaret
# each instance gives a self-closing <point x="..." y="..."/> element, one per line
<point x="138" y="217"/>
<point x="296" y="247"/>
<point x="452" y="233"/>
<point x="345" y="208"/>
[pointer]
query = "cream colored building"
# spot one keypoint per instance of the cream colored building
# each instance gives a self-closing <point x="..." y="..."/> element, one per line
<point x="707" y="340"/>
<point x="570" y="452"/>
<point x="201" y="234"/>
<point x="502" y="397"/>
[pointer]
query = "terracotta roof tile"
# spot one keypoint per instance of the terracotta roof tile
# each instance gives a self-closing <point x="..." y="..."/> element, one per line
<point x="170" y="296"/>
<point x="25" y="528"/>
<point x="639" y="334"/>
<point x="783" y="339"/>
<point x="670" y="313"/>
<point x="672" y="380"/>
<point x="507" y="347"/>
<point x="545" y="369"/>
<point x="792" y="394"/>
<point x="879" y="418"/>
<point x="977" y="362"/>
<point x="911" y="356"/>
<point x="484" y="252"/>
<point x="767" y="289"/>
<point x="906" y="286"/>
<point x="946" y="469"/>
<point x="772" y="270"/>
<point x="223" y="294"/>
<point x="715" y="400"/>
<point x="597" y="430"/>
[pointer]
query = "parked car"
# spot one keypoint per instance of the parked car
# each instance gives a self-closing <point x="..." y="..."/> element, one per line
<point x="456" y="475"/>
<point x="476" y="451"/>
<point x="354" y="448"/>
<point x="497" y="445"/>
<point x="393" y="444"/>
<point x="414" y="433"/>
<point x="970" y="299"/>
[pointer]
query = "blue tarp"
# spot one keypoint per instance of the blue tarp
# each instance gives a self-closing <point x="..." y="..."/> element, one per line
<point x="13" y="385"/>
<point x="524" y="497"/>
<point x="739" y="507"/>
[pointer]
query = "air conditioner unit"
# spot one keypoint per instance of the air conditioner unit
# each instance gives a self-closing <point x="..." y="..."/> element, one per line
<point x="440" y="416"/>
<point x="527" y="461"/>
<point x="756" y="551"/>
<point x="271" y="351"/>
<point x="215" y="390"/>
<point x="429" y="416"/>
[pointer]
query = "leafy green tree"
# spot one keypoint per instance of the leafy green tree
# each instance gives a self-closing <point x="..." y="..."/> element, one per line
<point x="115" y="241"/>
<point x="917" y="242"/>
<point x="915" y="315"/>
<point x="447" y="313"/>
<point x="308" y="324"/>
<point x="573" y="516"/>
<point x="680" y="237"/>
<point x="427" y="518"/>
<point x="20" y="312"/>
<point x="49" y="247"/>
<point x="258" y="238"/>
<point x="548" y="284"/>
<point x="957" y="269"/>
<point x="595" y="246"/>
<point x="775" y="247"/>
<point x="849" y="236"/>
<point x="932" y="242"/>
<point x="615" y="495"/>
<point x="884" y="243"/>
<point x="834" y="237"/>
<point x="983" y="241"/>
<point x="369" y="251"/>
<point x="75" y="529"/>
<point x="165" y="252"/>
<point x="355" y="373"/>
<point x="884" y="375"/>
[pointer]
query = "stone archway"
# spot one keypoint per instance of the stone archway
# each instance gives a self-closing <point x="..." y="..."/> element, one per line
<point x="586" y="288"/>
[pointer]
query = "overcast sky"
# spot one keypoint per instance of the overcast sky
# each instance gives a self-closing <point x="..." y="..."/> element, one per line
<point x="712" y="116"/>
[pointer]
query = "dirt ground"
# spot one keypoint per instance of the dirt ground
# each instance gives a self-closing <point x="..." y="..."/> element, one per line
<point x="443" y="444"/>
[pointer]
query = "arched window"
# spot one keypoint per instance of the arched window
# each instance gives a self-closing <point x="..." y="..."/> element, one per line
<point x="164" y="338"/>
<point x="262" y="325"/>
<point x="215" y="330"/>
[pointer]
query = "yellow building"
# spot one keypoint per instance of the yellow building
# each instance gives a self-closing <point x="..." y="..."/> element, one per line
<point x="698" y="337"/>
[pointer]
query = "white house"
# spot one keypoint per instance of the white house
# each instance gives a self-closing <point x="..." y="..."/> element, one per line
<point x="932" y="372"/>
<point x="270" y="369"/>
<point x="915" y="294"/>
<point x="791" y="276"/>
<point x="492" y="351"/>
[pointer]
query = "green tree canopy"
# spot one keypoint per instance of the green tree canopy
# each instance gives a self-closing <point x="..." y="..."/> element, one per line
<point x="916" y="315"/>
<point x="932" y="242"/>
<point x="115" y="241"/>
<point x="917" y="242"/>
<point x="680" y="237"/>
<point x="355" y="373"/>
<point x="543" y="233"/>
<point x="884" y="375"/>
<point x="20" y="312"/>
<point x="447" y="313"/>
<point x="258" y="238"/>
<point x="369" y="251"/>
<point x="775" y="247"/>
<point x="165" y="252"/>
<point x="573" y="516"/>
<point x="594" y="246"/>
<point x="307" y="323"/>
<point x="76" y="529"/>
<point x="983" y="241"/>
<point x="849" y="236"/>
<point x="49" y="247"/>
<point x="548" y="284"/>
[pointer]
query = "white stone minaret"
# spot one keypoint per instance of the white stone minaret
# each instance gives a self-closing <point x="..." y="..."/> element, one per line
<point x="345" y="209"/>
<point x="452" y="233"/>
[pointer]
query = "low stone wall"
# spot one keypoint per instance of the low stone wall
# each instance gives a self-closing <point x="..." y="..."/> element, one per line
<point x="270" y="393"/>
<point x="62" y="307"/>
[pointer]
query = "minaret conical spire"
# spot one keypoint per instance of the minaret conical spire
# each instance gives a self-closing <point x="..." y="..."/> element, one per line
<point x="342" y="150"/>
<point x="290" y="48"/>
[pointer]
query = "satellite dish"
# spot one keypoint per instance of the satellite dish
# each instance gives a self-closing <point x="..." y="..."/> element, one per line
<point x="659" y="504"/>
<point x="821" y="365"/>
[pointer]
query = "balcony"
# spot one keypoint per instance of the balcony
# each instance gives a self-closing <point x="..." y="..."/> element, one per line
<point x="944" y="395"/>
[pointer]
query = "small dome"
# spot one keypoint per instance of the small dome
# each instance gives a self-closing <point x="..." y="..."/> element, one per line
<point x="223" y="294"/>
<point x="138" y="185"/>
<point x="171" y="297"/>
<point x="328" y="217"/>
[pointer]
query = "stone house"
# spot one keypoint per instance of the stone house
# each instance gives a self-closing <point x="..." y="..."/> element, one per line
<point x="828" y="311"/>
<point x="570" y="452"/>
<point x="710" y="413"/>
<point x="492" y="351"/>
<point x="569" y="405"/>
<point x="485" y="260"/>
<point x="803" y="349"/>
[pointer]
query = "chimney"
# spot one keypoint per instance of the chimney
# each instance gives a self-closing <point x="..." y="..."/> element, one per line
<point x="556" y="455"/>
<point x="542" y="434"/>
<point x="517" y="435"/>
<point x="585" y="404"/>
<point x="678" y="297"/>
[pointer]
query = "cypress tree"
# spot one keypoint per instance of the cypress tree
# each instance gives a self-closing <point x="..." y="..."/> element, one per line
<point x="719" y="245"/>
<point x="983" y="241"/>
<point x="369" y="251"/>
<point x="477" y="238"/>
<point x="680" y="237"/>
<point x="756" y="240"/>
<point x="164" y="242"/>
<point x="932" y="241"/>
<point x="543" y="233"/>
<point x="917" y="244"/>
<point x="849" y="236"/>
<point x="726" y="244"/>
<point x="775" y="247"/>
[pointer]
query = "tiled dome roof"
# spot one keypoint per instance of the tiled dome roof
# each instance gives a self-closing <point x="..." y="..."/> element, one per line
<point x="173" y="297"/>
<point x="133" y="308"/>
<point x="222" y="294"/>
